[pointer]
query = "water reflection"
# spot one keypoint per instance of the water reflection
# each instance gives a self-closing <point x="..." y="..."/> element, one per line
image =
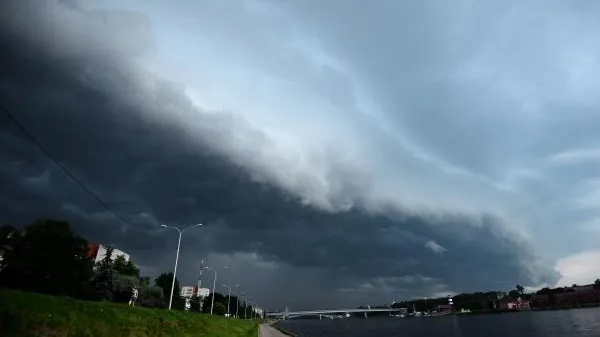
<point x="571" y="323"/>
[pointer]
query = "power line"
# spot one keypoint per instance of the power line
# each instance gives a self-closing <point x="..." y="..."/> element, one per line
<point x="61" y="166"/>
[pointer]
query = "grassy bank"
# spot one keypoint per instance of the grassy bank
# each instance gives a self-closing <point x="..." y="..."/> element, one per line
<point x="27" y="314"/>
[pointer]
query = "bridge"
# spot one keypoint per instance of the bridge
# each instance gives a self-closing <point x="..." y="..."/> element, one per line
<point x="331" y="313"/>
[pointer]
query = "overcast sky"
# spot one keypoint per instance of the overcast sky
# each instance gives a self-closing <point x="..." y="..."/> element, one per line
<point x="339" y="152"/>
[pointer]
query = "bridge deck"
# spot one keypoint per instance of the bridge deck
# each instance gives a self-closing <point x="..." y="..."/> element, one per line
<point x="334" y="311"/>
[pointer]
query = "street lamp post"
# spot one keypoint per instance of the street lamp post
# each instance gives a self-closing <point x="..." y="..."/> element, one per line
<point x="253" y="312"/>
<point x="212" y="301"/>
<point x="229" y="297"/>
<point x="212" y="304"/>
<point x="237" y="303"/>
<point x="249" y="301"/>
<point x="177" y="256"/>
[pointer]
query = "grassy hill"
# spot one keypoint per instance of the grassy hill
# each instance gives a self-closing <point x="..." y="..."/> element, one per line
<point x="27" y="314"/>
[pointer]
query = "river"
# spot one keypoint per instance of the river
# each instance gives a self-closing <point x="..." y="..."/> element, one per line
<point x="560" y="323"/>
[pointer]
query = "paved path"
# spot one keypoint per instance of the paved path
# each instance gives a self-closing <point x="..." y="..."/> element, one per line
<point x="269" y="331"/>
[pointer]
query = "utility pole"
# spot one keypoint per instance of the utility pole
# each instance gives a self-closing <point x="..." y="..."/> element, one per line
<point x="200" y="276"/>
<point x="200" y="299"/>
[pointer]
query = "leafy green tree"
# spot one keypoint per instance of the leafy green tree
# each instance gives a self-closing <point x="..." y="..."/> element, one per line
<point x="199" y="304"/>
<point x="144" y="282"/>
<point x="164" y="282"/>
<point x="125" y="267"/>
<point x="104" y="278"/>
<point x="220" y="309"/>
<point x="148" y="291"/>
<point x="46" y="257"/>
<point x="122" y="287"/>
<point x="520" y="289"/>
<point x="155" y="292"/>
<point x="543" y="291"/>
<point x="597" y="283"/>
<point x="219" y="298"/>
<point x="514" y="294"/>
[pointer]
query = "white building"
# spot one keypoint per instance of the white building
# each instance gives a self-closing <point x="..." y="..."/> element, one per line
<point x="98" y="252"/>
<point x="203" y="292"/>
<point x="187" y="292"/>
<point x="190" y="291"/>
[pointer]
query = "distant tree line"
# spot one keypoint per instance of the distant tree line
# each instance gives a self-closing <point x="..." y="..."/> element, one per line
<point x="48" y="257"/>
<point x="487" y="301"/>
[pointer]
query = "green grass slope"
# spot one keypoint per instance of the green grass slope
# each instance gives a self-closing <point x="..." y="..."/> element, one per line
<point x="30" y="315"/>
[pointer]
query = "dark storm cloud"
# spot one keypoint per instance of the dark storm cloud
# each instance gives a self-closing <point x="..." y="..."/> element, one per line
<point x="88" y="110"/>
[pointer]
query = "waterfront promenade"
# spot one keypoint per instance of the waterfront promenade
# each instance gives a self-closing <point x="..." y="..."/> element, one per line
<point x="267" y="330"/>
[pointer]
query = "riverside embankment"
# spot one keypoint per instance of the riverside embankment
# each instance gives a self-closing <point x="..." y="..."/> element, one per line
<point x="25" y="314"/>
<point x="266" y="330"/>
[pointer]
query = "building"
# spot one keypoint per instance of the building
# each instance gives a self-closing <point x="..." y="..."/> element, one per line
<point x="567" y="297"/>
<point x="518" y="304"/>
<point x="187" y="292"/>
<point x="203" y="292"/>
<point x="97" y="253"/>
<point x="443" y="308"/>
<point x="191" y="291"/>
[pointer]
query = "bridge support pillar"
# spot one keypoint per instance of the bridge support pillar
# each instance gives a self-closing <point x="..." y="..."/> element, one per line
<point x="365" y="314"/>
<point x="320" y="316"/>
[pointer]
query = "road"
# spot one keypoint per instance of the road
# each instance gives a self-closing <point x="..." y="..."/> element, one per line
<point x="269" y="331"/>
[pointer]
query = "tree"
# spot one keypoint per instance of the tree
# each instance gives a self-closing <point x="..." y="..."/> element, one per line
<point x="104" y="278"/>
<point x="520" y="289"/>
<point x="164" y="282"/>
<point x="551" y="298"/>
<point x="122" y="285"/>
<point x="148" y="291"/>
<point x="514" y="294"/>
<point x="219" y="298"/>
<point x="220" y="309"/>
<point x="125" y="267"/>
<point x="46" y="257"/>
<point x="597" y="283"/>
<point x="543" y="291"/>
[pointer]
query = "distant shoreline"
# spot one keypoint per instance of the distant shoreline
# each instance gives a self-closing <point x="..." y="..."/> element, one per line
<point x="504" y="311"/>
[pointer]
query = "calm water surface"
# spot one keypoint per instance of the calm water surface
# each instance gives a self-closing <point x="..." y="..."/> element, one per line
<point x="572" y="323"/>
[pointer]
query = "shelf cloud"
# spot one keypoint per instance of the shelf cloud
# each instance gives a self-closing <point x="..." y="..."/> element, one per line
<point x="355" y="156"/>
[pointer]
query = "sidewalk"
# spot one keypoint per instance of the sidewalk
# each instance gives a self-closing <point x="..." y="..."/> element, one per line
<point x="266" y="330"/>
